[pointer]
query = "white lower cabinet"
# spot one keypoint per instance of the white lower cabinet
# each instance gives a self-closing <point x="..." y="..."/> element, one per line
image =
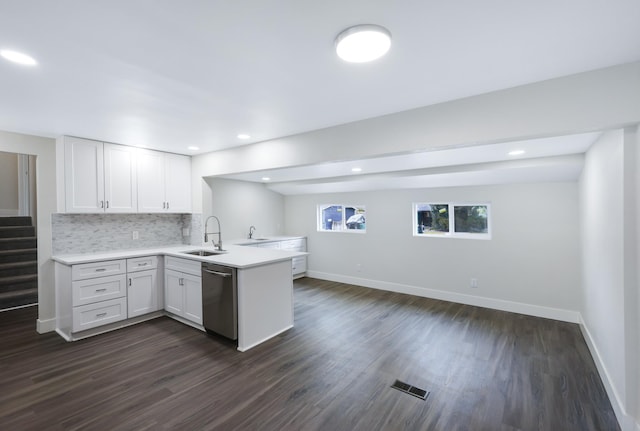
<point x="142" y="286"/>
<point x="89" y="295"/>
<point x="183" y="288"/>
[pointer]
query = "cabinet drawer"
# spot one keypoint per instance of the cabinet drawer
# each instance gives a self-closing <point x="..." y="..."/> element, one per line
<point x="98" y="269"/>
<point x="98" y="289"/>
<point x="92" y="315"/>
<point x="142" y="263"/>
<point x="299" y="264"/>
<point x="189" y="266"/>
<point x="293" y="244"/>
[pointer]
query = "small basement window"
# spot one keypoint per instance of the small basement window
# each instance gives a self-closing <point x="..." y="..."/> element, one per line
<point x="452" y="220"/>
<point x="341" y="218"/>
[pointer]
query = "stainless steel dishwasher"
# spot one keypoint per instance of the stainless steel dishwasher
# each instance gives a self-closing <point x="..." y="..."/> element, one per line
<point x="220" y="300"/>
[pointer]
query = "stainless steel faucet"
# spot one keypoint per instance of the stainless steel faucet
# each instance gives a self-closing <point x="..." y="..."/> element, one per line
<point x="217" y="246"/>
<point x="251" y="230"/>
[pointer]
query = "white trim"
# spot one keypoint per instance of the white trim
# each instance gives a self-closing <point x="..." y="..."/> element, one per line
<point x="626" y="421"/>
<point x="24" y="188"/>
<point x="45" y="325"/>
<point x="245" y="348"/>
<point x="478" y="301"/>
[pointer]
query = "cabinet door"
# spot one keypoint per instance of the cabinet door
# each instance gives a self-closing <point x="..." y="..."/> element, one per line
<point x="193" y="298"/>
<point x="142" y="295"/>
<point x="174" y="292"/>
<point x="178" y="183"/>
<point x="151" y="178"/>
<point x="120" y="185"/>
<point x="84" y="176"/>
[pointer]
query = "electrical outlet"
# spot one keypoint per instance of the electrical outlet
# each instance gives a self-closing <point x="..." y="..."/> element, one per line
<point x="474" y="283"/>
<point x="134" y="234"/>
<point x="186" y="231"/>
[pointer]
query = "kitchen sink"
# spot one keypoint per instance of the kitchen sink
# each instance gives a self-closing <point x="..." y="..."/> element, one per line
<point x="202" y="252"/>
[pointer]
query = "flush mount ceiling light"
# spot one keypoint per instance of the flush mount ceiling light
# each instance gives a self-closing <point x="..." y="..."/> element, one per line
<point x="356" y="169"/>
<point x="193" y="148"/>
<point x="18" y="57"/>
<point x="516" y="152"/>
<point x="362" y="43"/>
<point x="243" y="136"/>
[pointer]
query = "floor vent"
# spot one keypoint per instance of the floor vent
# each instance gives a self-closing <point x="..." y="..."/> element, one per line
<point x="411" y="390"/>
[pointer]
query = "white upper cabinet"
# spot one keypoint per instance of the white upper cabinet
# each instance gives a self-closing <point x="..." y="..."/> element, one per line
<point x="178" y="183"/>
<point x="164" y="182"/>
<point x="99" y="177"/>
<point x="120" y="185"/>
<point x="83" y="175"/>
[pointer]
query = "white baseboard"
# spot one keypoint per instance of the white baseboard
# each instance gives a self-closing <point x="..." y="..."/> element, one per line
<point x="627" y="423"/>
<point x="268" y="337"/>
<point x="45" y="325"/>
<point x="479" y="301"/>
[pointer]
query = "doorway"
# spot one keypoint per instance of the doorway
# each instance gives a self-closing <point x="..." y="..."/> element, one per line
<point x="18" y="236"/>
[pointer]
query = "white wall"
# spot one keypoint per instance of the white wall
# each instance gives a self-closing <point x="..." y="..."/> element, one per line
<point x="8" y="184"/>
<point x="240" y="204"/>
<point x="609" y="309"/>
<point x="530" y="265"/>
<point x="44" y="150"/>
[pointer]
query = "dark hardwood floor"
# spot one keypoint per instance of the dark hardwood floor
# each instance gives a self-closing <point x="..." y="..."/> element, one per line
<point x="484" y="369"/>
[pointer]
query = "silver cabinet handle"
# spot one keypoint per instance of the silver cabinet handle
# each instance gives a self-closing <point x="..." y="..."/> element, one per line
<point x="101" y="290"/>
<point x="221" y="274"/>
<point x="101" y="204"/>
<point x="181" y="282"/>
<point x="107" y="204"/>
<point x="101" y="269"/>
<point x="101" y="315"/>
<point x="129" y="282"/>
<point x="167" y="205"/>
<point x="143" y="263"/>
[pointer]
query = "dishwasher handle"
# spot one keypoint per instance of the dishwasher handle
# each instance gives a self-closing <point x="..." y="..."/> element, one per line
<point x="221" y="274"/>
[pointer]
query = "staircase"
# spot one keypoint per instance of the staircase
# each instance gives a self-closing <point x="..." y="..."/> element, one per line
<point x="18" y="262"/>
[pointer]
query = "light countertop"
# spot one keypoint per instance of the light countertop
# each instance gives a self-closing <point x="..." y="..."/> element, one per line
<point x="236" y="255"/>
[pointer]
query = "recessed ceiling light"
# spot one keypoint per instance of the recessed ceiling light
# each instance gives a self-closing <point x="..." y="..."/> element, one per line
<point x="243" y="136"/>
<point x="356" y="169"/>
<point x="362" y="43"/>
<point x="192" y="148"/>
<point x="266" y="179"/>
<point x="18" y="57"/>
<point x="516" y="152"/>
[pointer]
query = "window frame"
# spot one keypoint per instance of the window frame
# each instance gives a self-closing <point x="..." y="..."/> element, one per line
<point x="319" y="219"/>
<point x="451" y="206"/>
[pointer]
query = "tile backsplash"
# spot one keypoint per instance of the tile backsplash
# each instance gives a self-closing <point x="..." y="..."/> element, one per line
<point x="90" y="233"/>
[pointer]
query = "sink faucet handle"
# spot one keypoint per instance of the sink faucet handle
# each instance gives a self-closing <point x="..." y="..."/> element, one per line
<point x="251" y="231"/>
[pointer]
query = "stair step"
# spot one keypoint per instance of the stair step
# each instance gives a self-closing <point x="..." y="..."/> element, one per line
<point x="16" y="299"/>
<point x="18" y="243"/>
<point x="15" y="221"/>
<point x="17" y="231"/>
<point x="19" y="268"/>
<point x="18" y="282"/>
<point x="7" y="256"/>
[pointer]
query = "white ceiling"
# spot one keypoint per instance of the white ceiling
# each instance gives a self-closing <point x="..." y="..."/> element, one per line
<point x="546" y="159"/>
<point x="169" y="74"/>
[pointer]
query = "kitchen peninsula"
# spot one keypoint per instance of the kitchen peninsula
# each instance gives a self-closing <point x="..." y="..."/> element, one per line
<point x="101" y="292"/>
